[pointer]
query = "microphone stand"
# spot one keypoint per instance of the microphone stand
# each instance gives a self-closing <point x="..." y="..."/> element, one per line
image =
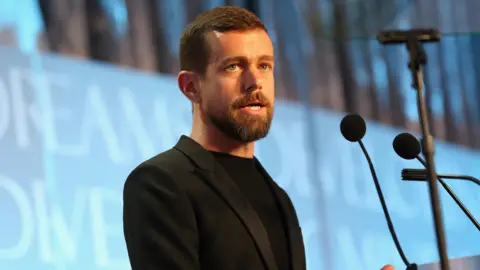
<point x="418" y="57"/>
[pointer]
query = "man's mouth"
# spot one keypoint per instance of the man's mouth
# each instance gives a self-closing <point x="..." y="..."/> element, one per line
<point x="253" y="106"/>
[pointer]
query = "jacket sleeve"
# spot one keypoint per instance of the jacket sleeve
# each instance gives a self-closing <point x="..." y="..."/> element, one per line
<point x="159" y="222"/>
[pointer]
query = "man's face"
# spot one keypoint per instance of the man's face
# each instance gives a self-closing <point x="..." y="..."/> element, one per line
<point x="237" y="91"/>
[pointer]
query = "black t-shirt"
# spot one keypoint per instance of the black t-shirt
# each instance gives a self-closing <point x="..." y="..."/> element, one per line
<point x="255" y="187"/>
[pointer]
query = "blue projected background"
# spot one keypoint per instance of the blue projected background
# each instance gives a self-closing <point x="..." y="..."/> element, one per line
<point x="71" y="131"/>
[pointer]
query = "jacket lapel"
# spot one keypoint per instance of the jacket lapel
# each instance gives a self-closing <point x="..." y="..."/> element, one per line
<point x="221" y="182"/>
<point x="296" y="244"/>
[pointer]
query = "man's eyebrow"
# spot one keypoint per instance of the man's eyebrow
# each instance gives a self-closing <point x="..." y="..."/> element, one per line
<point x="264" y="57"/>
<point x="267" y="58"/>
<point x="232" y="59"/>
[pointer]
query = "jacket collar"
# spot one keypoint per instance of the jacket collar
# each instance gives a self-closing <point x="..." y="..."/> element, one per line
<point x="199" y="155"/>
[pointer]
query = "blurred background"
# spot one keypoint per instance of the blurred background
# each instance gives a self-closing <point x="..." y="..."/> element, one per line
<point x="88" y="91"/>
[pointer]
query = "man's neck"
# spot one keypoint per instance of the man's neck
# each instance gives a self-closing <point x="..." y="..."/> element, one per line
<point x="212" y="139"/>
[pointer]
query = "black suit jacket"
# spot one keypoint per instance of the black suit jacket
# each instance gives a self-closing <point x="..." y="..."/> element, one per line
<point x="183" y="211"/>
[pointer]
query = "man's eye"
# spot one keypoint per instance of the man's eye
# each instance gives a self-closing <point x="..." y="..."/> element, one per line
<point x="232" y="67"/>
<point x="264" y="66"/>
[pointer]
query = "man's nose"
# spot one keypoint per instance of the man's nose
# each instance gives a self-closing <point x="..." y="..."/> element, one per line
<point x="253" y="80"/>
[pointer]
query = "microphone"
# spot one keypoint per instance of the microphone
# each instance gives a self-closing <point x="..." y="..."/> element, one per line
<point x="402" y="36"/>
<point x="353" y="128"/>
<point x="408" y="147"/>
<point x="421" y="175"/>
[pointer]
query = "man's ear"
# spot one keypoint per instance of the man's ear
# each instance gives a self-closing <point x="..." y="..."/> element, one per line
<point x="188" y="84"/>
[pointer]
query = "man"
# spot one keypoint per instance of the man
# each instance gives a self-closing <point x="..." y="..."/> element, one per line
<point x="208" y="203"/>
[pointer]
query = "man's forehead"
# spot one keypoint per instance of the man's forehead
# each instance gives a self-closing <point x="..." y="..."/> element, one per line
<point x="249" y="44"/>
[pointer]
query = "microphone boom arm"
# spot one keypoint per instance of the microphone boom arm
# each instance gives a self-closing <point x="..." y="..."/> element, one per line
<point x="420" y="175"/>
<point x="461" y="177"/>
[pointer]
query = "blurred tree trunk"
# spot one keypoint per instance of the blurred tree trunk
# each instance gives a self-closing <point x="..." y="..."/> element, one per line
<point x="141" y="25"/>
<point x="321" y="92"/>
<point x="164" y="58"/>
<point x="101" y="34"/>
<point x="464" y="71"/>
<point x="340" y="34"/>
<point x="371" y="104"/>
<point x="66" y="26"/>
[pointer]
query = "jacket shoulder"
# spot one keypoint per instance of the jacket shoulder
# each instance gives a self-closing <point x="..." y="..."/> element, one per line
<point x="170" y="160"/>
<point x="171" y="164"/>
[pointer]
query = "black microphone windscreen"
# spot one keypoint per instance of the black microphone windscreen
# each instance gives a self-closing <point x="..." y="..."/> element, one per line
<point x="353" y="127"/>
<point x="406" y="146"/>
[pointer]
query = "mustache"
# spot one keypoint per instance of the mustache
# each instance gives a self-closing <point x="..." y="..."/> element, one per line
<point x="254" y="98"/>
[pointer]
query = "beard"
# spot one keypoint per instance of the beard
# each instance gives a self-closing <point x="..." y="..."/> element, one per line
<point x="241" y="126"/>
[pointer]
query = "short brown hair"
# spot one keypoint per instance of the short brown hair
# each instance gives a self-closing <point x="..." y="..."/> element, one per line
<point x="194" y="51"/>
